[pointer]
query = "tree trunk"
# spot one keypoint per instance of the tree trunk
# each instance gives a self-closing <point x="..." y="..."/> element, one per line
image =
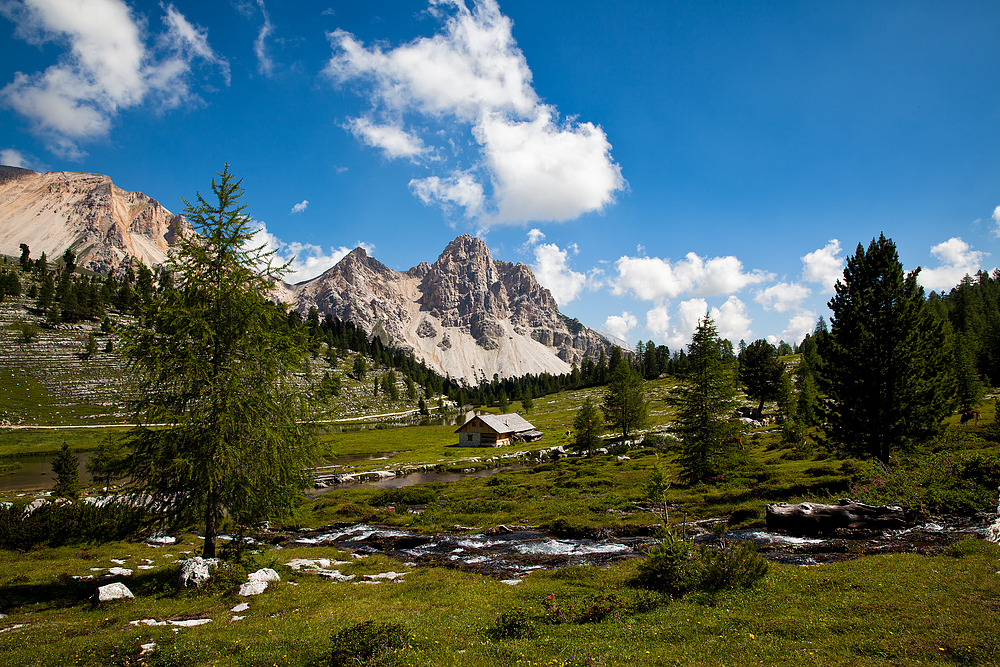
<point x="815" y="519"/>
<point x="210" y="529"/>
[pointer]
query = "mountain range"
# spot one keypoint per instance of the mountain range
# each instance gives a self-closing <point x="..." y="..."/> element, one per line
<point x="467" y="315"/>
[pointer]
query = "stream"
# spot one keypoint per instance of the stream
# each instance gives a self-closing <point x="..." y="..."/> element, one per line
<point x="512" y="551"/>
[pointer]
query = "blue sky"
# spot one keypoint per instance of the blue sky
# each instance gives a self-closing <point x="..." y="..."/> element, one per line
<point x="649" y="160"/>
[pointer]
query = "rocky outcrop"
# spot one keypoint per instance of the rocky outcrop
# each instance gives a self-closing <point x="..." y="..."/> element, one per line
<point x="104" y="225"/>
<point x="466" y="315"/>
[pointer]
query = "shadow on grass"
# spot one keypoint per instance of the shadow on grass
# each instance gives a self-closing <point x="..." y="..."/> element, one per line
<point x="65" y="591"/>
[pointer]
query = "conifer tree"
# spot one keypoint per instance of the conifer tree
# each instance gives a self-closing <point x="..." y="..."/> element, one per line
<point x="886" y="357"/>
<point x="214" y="364"/>
<point x="760" y="372"/>
<point x="67" y="469"/>
<point x="706" y="401"/>
<point x="625" y="408"/>
<point x="588" y="424"/>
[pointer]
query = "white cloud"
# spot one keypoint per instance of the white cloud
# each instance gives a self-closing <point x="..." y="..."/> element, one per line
<point x="394" y="141"/>
<point x="799" y="325"/>
<point x="619" y="326"/>
<point x="551" y="268"/>
<point x="459" y="189"/>
<point x="655" y="279"/>
<point x="732" y="320"/>
<point x="470" y="80"/>
<point x="307" y="260"/>
<point x="107" y="67"/>
<point x="300" y="207"/>
<point x="823" y="266"/>
<point x="782" y="297"/>
<point x="15" y="158"/>
<point x="958" y="260"/>
<point x="996" y="221"/>
<point x="265" y="64"/>
<point x="545" y="172"/>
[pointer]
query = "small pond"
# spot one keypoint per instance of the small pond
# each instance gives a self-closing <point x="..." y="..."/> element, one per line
<point x="35" y="473"/>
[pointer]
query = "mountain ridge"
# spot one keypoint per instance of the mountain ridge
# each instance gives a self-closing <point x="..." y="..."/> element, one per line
<point x="467" y="315"/>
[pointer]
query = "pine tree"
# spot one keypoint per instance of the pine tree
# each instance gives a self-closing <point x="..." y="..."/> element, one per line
<point x="67" y="470"/>
<point x="706" y="401"/>
<point x="215" y="365"/>
<point x="625" y="408"/>
<point x="588" y="424"/>
<point x="886" y="357"/>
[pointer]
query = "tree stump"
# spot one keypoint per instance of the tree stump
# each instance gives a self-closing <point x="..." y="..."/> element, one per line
<point x="815" y="519"/>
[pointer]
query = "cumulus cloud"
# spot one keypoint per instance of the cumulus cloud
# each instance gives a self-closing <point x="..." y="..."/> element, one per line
<point x="996" y="221"/>
<point x="732" y="320"/>
<point x="459" y="190"/>
<point x="823" y="266"/>
<point x="620" y="326"/>
<point x="799" y="325"/>
<point x="393" y="140"/>
<point x="551" y="268"/>
<point x="106" y="68"/>
<point x="958" y="260"/>
<point x="655" y="279"/>
<point x="471" y="81"/>
<point x="300" y="207"/>
<point x="307" y="260"/>
<point x="782" y="297"/>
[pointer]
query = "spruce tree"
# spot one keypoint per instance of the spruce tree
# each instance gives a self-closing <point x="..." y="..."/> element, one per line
<point x="706" y="402"/>
<point x="588" y="424"/>
<point x="886" y="357"/>
<point x="625" y="408"/>
<point x="67" y="470"/>
<point x="760" y="372"/>
<point x="214" y="368"/>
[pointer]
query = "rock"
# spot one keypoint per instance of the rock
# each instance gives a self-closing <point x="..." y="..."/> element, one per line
<point x="264" y="574"/>
<point x="243" y="606"/>
<point x="146" y="649"/>
<point x="119" y="572"/>
<point x="817" y="519"/>
<point x="196" y="571"/>
<point x="115" y="591"/>
<point x="252" y="588"/>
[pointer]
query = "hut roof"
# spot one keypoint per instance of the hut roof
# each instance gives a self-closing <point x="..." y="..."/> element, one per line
<point x="508" y="423"/>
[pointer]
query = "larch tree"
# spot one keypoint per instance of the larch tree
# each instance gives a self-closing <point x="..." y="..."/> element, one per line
<point x="886" y="356"/>
<point x="219" y="422"/>
<point x="706" y="402"/>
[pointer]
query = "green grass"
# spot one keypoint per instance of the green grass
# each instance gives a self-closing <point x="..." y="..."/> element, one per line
<point x="901" y="609"/>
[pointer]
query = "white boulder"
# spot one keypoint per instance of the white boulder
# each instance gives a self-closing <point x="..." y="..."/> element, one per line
<point x="196" y="571"/>
<point x="115" y="591"/>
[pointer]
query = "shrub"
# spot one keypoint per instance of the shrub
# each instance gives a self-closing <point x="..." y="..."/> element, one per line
<point x="414" y="495"/>
<point x="367" y="643"/>
<point x="513" y="624"/>
<point x="676" y="567"/>
<point x="56" y="525"/>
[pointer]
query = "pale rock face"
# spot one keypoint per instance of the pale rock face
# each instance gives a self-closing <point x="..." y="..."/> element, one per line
<point x="104" y="225"/>
<point x="264" y="574"/>
<point x="252" y="588"/>
<point x="467" y="315"/>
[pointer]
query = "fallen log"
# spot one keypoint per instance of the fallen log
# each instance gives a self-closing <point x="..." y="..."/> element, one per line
<point x="816" y="519"/>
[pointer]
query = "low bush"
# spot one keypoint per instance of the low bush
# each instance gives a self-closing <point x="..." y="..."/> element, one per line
<point x="413" y="495"/>
<point x="677" y="567"/>
<point x="513" y="624"/>
<point x="367" y="643"/>
<point x="58" y="524"/>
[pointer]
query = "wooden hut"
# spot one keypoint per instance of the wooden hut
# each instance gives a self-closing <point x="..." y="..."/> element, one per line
<point x="496" y="431"/>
